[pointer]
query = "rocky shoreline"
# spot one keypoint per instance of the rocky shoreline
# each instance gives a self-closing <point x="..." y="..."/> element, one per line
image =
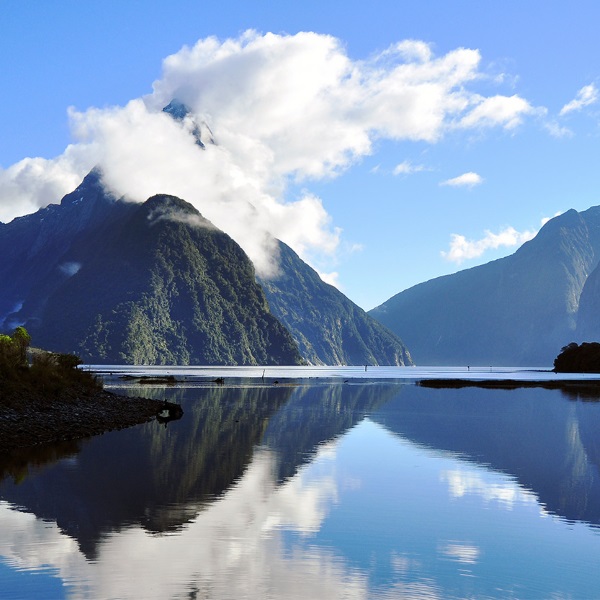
<point x="37" y="421"/>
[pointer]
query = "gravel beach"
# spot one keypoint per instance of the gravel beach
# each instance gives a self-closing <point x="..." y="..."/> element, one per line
<point x="35" y="421"/>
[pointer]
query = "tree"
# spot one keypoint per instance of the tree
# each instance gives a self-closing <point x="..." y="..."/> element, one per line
<point x="21" y="340"/>
<point x="574" y="358"/>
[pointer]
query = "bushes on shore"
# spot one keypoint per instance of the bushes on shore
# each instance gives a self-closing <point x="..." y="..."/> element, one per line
<point x="48" y="376"/>
<point x="575" y="358"/>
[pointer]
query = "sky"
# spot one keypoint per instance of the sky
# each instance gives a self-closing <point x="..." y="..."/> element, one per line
<point x="387" y="142"/>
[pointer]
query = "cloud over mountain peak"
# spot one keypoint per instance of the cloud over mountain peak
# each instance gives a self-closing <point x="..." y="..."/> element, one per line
<point x="285" y="109"/>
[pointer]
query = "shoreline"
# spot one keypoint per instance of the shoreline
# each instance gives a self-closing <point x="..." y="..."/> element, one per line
<point x="36" y="421"/>
<point x="574" y="385"/>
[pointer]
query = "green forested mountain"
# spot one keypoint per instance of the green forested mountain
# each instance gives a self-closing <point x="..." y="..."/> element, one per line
<point x="127" y="283"/>
<point x="519" y="310"/>
<point x="165" y="287"/>
<point x="328" y="327"/>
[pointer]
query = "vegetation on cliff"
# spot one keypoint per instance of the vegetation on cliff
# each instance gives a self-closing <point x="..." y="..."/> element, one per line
<point x="328" y="327"/>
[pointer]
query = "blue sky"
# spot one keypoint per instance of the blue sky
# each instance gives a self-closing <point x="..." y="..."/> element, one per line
<point x="378" y="197"/>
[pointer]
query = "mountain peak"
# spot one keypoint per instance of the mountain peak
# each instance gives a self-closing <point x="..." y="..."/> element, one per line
<point x="177" y="109"/>
<point x="183" y="114"/>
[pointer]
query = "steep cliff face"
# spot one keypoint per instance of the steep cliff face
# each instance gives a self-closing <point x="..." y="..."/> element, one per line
<point x="588" y="316"/>
<point x="328" y="327"/>
<point x="163" y="286"/>
<point x="519" y="310"/>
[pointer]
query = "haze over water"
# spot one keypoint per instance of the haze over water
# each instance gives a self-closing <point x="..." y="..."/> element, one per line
<point x="315" y="488"/>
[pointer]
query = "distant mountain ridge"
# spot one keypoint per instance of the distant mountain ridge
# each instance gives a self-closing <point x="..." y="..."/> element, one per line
<point x="156" y="283"/>
<point x="518" y="310"/>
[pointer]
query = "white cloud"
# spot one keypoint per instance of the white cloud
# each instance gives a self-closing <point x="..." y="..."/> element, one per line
<point x="507" y="112"/>
<point x="408" y="168"/>
<point x="546" y="219"/>
<point x="462" y="249"/>
<point x="70" y="268"/>
<point x="33" y="183"/>
<point x="505" y="492"/>
<point x="237" y="542"/>
<point x="282" y="108"/>
<point x="469" y="179"/>
<point x="587" y="95"/>
<point x="466" y="554"/>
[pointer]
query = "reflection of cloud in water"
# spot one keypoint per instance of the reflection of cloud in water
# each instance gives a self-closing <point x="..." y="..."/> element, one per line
<point x="27" y="542"/>
<point x="230" y="548"/>
<point x="403" y="564"/>
<point x="466" y="554"/>
<point x="506" y="493"/>
<point x="426" y="589"/>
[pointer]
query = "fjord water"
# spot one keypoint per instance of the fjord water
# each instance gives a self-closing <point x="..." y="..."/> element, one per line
<point x="315" y="489"/>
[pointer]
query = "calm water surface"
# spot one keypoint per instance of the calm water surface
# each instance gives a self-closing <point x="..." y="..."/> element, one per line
<point x="314" y="489"/>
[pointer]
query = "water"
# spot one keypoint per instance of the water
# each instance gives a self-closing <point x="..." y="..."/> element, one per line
<point x="315" y="488"/>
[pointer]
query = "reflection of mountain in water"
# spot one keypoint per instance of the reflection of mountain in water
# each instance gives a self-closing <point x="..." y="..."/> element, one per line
<point x="317" y="414"/>
<point x="161" y="477"/>
<point x="550" y="445"/>
<point x="150" y="475"/>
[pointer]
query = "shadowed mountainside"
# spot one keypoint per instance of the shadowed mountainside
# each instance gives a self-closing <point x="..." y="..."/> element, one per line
<point x="519" y="310"/>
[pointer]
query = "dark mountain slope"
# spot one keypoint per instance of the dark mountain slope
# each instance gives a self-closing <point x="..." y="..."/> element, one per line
<point x="519" y="310"/>
<point x="328" y="327"/>
<point x="588" y="317"/>
<point x="164" y="287"/>
<point x="34" y="247"/>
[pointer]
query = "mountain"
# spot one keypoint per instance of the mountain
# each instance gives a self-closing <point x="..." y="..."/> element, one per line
<point x="588" y="317"/>
<point x="328" y="327"/>
<point x="151" y="283"/>
<point x="157" y="283"/>
<point x="518" y="310"/>
<point x="34" y="248"/>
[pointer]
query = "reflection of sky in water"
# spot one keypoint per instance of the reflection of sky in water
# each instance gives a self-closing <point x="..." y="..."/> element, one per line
<point x="371" y="516"/>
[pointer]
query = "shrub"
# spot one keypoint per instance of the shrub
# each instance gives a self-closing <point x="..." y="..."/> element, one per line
<point x="50" y="375"/>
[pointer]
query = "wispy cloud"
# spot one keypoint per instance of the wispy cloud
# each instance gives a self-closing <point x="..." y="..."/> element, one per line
<point x="408" y="168"/>
<point x="332" y="278"/>
<point x="469" y="179"/>
<point x="587" y="95"/>
<point x="546" y="219"/>
<point x="462" y="249"/>
<point x="558" y="131"/>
